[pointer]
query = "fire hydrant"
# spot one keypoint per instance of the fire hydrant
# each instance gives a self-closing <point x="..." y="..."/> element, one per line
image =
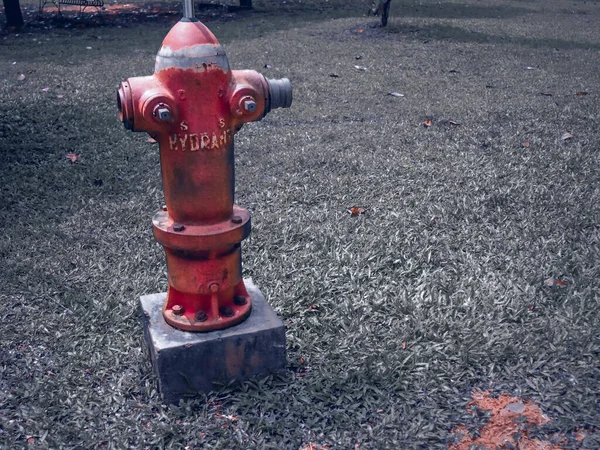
<point x="192" y="106"/>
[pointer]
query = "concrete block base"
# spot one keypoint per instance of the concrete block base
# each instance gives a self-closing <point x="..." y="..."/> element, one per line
<point x="189" y="363"/>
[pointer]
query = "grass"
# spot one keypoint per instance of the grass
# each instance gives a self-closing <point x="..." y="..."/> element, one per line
<point x="463" y="225"/>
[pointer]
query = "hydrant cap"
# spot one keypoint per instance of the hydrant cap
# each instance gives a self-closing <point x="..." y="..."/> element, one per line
<point x="190" y="45"/>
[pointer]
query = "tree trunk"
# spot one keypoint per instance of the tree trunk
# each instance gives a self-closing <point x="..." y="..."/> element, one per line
<point x="14" y="18"/>
<point x="385" y="12"/>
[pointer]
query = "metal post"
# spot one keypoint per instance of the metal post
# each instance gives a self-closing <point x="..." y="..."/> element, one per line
<point x="188" y="9"/>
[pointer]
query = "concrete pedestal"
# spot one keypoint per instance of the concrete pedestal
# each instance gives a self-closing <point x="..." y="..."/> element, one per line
<point x="188" y="363"/>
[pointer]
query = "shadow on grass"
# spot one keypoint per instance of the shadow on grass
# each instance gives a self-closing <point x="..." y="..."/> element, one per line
<point x="448" y="32"/>
<point x="455" y="11"/>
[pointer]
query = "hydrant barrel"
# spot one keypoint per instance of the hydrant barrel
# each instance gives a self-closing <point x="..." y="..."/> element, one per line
<point x="193" y="106"/>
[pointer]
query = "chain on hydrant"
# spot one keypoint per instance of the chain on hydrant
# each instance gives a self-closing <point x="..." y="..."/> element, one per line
<point x="192" y="106"/>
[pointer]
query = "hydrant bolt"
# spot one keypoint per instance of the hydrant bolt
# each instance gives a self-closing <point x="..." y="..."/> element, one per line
<point x="237" y="219"/>
<point x="250" y="105"/>
<point x="239" y="300"/>
<point x="201" y="316"/>
<point x="226" y="311"/>
<point x="178" y="227"/>
<point x="177" y="310"/>
<point x="163" y="113"/>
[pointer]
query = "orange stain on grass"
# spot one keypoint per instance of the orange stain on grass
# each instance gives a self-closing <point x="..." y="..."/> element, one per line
<point x="508" y="427"/>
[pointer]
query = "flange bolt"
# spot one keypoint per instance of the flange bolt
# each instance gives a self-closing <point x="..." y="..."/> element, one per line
<point x="177" y="310"/>
<point x="201" y="316"/>
<point x="178" y="227"/>
<point x="239" y="300"/>
<point x="226" y="311"/>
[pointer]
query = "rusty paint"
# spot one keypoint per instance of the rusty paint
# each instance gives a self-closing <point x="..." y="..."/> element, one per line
<point x="192" y="106"/>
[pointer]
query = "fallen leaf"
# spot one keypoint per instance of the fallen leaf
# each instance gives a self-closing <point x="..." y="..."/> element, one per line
<point x="355" y="211"/>
<point x="313" y="307"/>
<point x="531" y="307"/>
<point x="396" y="94"/>
<point x="404" y="345"/>
<point x="30" y="440"/>
<point x="344" y="101"/>
<point x="452" y="122"/>
<point x="302" y="361"/>
<point x="525" y="144"/>
<point x="59" y="96"/>
<point x="72" y="156"/>
<point x="582" y="93"/>
<point x="46" y="89"/>
<point x="547" y="94"/>
<point x="555" y="282"/>
<point x="566" y="136"/>
<point x="427" y="123"/>
<point x="151" y="140"/>
<point x="21" y="77"/>
<point x="360" y="30"/>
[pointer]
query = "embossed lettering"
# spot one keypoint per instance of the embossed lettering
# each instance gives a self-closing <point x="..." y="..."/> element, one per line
<point x="173" y="142"/>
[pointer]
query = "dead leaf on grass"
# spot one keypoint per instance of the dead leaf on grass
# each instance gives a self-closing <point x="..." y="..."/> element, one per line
<point x="555" y="282"/>
<point x="404" y="345"/>
<point x="526" y="144"/>
<point x="21" y="77"/>
<point x="72" y="156"/>
<point x="355" y="211"/>
<point x="427" y="123"/>
<point x="151" y="140"/>
<point x="452" y="122"/>
<point x="566" y="136"/>
<point x="46" y="89"/>
<point x="581" y="94"/>
<point x="59" y="96"/>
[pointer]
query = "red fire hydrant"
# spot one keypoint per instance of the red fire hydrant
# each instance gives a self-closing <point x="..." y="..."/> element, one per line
<point x="192" y="106"/>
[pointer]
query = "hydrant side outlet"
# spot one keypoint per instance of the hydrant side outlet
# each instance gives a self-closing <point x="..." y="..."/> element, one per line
<point x="192" y="106"/>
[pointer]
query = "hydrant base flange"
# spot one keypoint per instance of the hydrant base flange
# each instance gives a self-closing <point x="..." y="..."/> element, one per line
<point x="189" y="364"/>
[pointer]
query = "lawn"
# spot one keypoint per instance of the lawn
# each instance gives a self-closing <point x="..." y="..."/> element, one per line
<point x="472" y="281"/>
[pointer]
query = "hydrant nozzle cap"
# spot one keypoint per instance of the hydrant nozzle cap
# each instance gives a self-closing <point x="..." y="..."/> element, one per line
<point x="280" y="94"/>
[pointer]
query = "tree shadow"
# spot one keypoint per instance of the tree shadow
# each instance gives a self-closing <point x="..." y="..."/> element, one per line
<point x="453" y="33"/>
<point x="455" y="10"/>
